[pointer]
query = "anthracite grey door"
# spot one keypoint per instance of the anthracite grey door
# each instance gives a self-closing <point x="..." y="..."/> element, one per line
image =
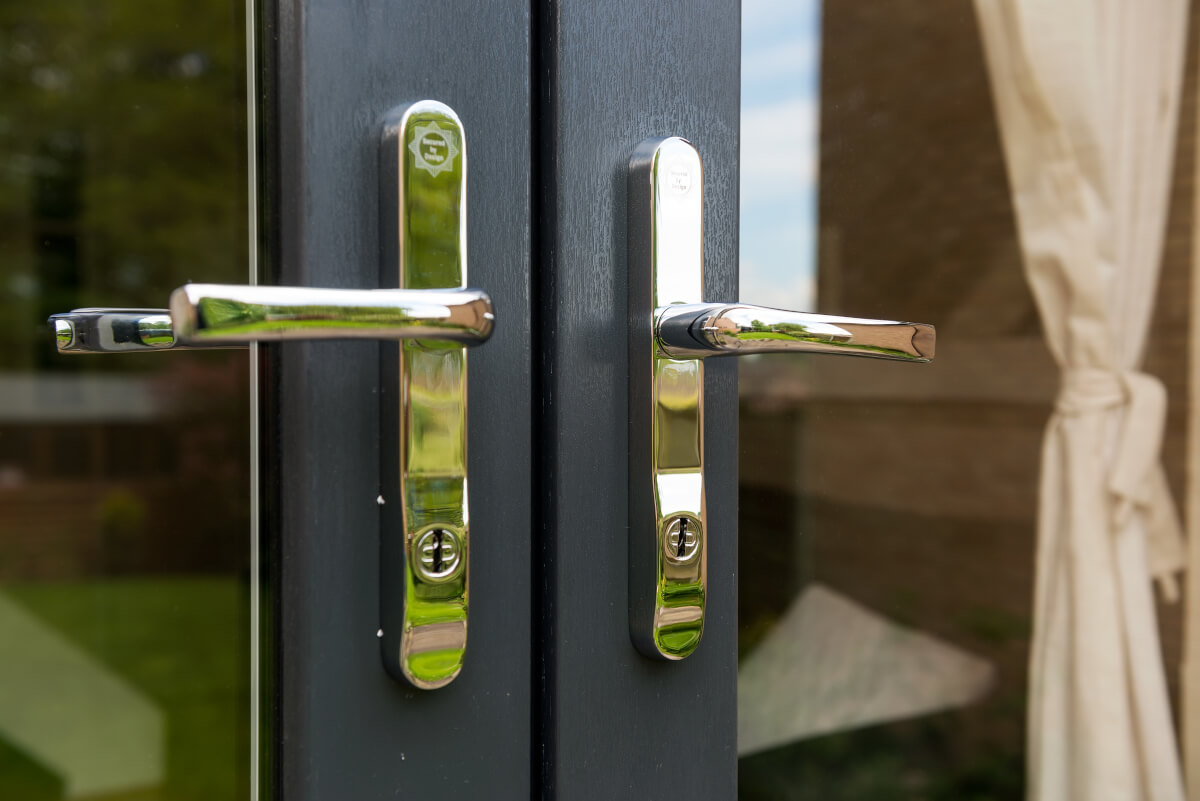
<point x="182" y="620"/>
<point x="612" y="723"/>
<point x="553" y="700"/>
<point x="342" y="727"/>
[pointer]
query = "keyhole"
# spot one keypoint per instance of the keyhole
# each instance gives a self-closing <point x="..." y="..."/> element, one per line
<point x="682" y="536"/>
<point x="437" y="552"/>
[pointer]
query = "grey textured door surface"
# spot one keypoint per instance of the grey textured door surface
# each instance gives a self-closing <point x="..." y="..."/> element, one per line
<point x="344" y="728"/>
<point x="553" y="701"/>
<point x="610" y="74"/>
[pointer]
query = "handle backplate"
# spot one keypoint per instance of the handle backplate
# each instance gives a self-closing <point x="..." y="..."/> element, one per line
<point x="425" y="534"/>
<point x="668" y="527"/>
<point x="672" y="332"/>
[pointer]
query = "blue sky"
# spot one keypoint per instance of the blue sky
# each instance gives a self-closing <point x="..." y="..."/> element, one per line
<point x="781" y="42"/>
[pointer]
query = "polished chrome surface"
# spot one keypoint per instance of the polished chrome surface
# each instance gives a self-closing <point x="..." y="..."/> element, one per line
<point x="127" y="594"/>
<point x="667" y="529"/>
<point x="230" y="314"/>
<point x="222" y="315"/>
<point x="438" y="555"/>
<point x="672" y="330"/>
<point x="425" y="536"/>
<point x="425" y="541"/>
<point x="112" y="330"/>
<point x="706" y="330"/>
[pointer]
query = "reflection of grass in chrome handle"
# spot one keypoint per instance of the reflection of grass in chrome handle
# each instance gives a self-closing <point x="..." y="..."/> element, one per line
<point x="787" y="331"/>
<point x="292" y="321"/>
<point x="220" y="317"/>
<point x="783" y="336"/>
<point x="221" y="313"/>
<point x="226" y="314"/>
<point x="851" y="347"/>
<point x="680" y="639"/>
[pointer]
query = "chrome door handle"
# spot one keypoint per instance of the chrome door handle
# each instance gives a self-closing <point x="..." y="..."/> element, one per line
<point x="672" y="330"/>
<point x="225" y="315"/>
<point x="704" y="330"/>
<point x="425" y="536"/>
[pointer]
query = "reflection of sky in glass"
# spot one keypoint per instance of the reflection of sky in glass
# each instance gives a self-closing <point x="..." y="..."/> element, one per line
<point x="780" y="85"/>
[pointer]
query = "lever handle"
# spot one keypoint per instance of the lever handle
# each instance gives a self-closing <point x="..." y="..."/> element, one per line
<point x="672" y="331"/>
<point x="425" y="537"/>
<point x="704" y="330"/>
<point x="112" y="330"/>
<point x="222" y="315"/>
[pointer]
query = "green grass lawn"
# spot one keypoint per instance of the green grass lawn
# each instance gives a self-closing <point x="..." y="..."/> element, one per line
<point x="181" y="641"/>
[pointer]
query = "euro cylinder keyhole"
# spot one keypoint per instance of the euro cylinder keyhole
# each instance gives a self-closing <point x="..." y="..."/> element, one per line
<point x="437" y="554"/>
<point x="682" y="540"/>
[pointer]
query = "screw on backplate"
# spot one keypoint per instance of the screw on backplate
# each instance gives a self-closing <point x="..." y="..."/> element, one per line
<point x="437" y="554"/>
<point x="682" y="540"/>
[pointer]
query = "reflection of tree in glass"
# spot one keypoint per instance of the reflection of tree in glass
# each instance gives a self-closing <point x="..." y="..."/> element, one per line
<point x="122" y="145"/>
<point x="122" y="175"/>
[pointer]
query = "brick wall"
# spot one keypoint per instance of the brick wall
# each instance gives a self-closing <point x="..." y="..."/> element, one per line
<point x="915" y="489"/>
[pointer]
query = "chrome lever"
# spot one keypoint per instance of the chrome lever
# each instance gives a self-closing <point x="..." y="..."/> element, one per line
<point x="427" y="317"/>
<point x="672" y="331"/>
<point x="112" y="330"/>
<point x="705" y="330"/>
<point x="224" y="315"/>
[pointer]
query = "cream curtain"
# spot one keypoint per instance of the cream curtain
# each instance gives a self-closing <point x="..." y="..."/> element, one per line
<point x="1087" y="94"/>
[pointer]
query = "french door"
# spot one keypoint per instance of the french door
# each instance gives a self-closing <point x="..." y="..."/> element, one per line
<point x="280" y="510"/>
<point x="552" y="700"/>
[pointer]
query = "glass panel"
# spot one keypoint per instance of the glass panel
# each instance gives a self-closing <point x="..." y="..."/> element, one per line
<point x="125" y="533"/>
<point x="888" y="512"/>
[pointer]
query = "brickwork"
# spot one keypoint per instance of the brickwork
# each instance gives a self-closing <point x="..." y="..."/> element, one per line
<point x="917" y="487"/>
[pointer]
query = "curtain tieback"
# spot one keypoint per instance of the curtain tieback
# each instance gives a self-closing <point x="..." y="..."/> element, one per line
<point x="1136" y="479"/>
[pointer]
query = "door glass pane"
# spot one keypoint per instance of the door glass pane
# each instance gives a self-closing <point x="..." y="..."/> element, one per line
<point x="125" y="533"/>
<point x="888" y="523"/>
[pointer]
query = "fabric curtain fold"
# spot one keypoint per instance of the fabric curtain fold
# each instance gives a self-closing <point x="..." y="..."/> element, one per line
<point x="1087" y="96"/>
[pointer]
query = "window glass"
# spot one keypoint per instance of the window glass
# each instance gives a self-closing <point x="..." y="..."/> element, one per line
<point x="124" y="478"/>
<point x="888" y="511"/>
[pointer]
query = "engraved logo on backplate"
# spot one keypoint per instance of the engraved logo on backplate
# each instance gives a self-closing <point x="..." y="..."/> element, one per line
<point x="433" y="147"/>
<point x="679" y="177"/>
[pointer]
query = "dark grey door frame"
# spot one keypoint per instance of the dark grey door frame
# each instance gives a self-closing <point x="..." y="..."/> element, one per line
<point x="344" y="729"/>
<point x="553" y="702"/>
<point x="614" y="724"/>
